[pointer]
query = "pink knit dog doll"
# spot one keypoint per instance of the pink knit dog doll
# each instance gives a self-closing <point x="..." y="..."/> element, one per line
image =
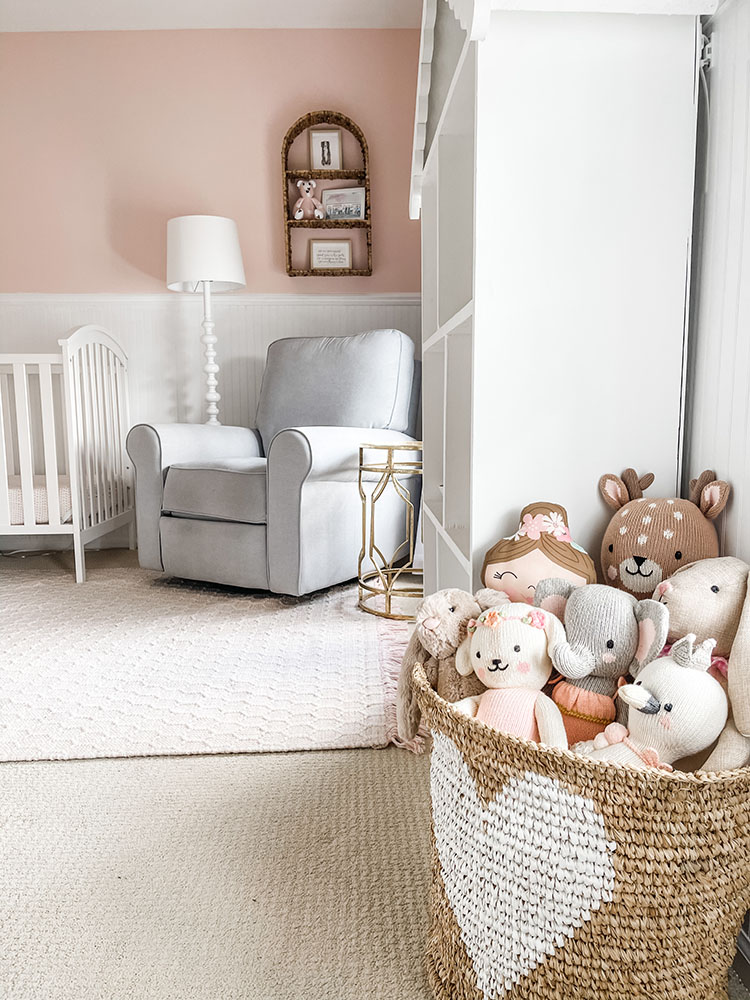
<point x="507" y="650"/>
<point x="540" y="548"/>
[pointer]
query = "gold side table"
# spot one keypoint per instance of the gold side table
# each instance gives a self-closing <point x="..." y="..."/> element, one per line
<point x="381" y="577"/>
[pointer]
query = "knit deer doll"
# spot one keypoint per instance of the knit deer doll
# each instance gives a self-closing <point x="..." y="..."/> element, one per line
<point x="647" y="540"/>
<point x="676" y="709"/>
<point x="507" y="649"/>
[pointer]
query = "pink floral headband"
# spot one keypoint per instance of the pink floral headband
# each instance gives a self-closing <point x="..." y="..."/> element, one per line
<point x="543" y="524"/>
<point x="496" y="616"/>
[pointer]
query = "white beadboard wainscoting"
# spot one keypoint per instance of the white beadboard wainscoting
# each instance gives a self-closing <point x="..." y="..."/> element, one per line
<point x="719" y="382"/>
<point x="161" y="336"/>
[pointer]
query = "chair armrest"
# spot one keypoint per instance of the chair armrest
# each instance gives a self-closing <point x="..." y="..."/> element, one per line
<point x="329" y="454"/>
<point x="154" y="447"/>
<point x="314" y="508"/>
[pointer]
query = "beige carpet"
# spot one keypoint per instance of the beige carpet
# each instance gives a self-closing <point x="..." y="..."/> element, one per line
<point x="271" y="877"/>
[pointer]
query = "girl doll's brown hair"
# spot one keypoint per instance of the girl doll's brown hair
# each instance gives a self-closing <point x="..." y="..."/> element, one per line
<point x="563" y="553"/>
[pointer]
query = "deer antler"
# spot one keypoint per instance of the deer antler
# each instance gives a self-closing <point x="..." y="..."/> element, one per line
<point x="634" y="485"/>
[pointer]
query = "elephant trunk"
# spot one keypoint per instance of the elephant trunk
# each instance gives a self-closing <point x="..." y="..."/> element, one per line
<point x="573" y="662"/>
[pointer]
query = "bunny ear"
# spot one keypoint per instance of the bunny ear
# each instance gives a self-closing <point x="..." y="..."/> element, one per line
<point x="463" y="658"/>
<point x="554" y="629"/>
<point x="613" y="490"/>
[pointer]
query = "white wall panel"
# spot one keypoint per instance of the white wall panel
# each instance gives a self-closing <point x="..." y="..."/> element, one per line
<point x="161" y="335"/>
<point x="719" y="384"/>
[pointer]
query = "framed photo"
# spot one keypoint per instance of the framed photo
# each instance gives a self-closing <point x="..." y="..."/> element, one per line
<point x="326" y="255"/>
<point x="325" y="149"/>
<point x="344" y="203"/>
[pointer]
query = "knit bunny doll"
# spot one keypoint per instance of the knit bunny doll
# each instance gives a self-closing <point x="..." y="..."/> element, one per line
<point x="507" y="649"/>
<point x="440" y="628"/>
<point x="711" y="598"/>
<point x="676" y="708"/>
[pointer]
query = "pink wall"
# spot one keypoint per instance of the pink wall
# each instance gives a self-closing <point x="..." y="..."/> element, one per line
<point x="106" y="135"/>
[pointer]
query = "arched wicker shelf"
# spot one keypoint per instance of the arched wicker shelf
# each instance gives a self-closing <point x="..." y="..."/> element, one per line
<point x="359" y="173"/>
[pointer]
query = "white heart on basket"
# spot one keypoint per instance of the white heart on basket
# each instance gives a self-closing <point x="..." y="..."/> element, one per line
<point x="521" y="874"/>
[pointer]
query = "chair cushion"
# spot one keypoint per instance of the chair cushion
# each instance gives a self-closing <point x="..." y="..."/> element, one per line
<point x="231" y="489"/>
<point x="360" y="381"/>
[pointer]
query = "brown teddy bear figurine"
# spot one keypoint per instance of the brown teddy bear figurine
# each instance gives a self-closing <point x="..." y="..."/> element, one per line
<point x="648" y="540"/>
<point x="441" y="622"/>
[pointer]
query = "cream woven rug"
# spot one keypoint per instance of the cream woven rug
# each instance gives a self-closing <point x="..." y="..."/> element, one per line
<point x="132" y="664"/>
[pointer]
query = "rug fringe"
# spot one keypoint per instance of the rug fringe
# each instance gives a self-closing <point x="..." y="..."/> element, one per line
<point x="393" y="638"/>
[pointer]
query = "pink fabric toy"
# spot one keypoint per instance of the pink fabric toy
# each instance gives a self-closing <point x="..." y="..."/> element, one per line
<point x="507" y="649"/>
<point x="307" y="206"/>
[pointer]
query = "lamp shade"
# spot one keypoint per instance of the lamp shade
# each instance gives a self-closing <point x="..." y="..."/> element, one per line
<point x="203" y="248"/>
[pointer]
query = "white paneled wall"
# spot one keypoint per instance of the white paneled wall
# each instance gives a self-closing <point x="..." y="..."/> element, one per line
<point x="719" y="389"/>
<point x="161" y="335"/>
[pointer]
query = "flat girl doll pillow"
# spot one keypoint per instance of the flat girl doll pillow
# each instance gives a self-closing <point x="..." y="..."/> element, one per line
<point x="541" y="548"/>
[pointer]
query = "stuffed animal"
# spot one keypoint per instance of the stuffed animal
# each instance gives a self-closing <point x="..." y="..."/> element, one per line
<point x="608" y="634"/>
<point x="441" y="621"/>
<point x="710" y="598"/>
<point x="676" y="708"/>
<point x="542" y="547"/>
<point x="307" y="206"/>
<point x="507" y="649"/>
<point x="647" y="540"/>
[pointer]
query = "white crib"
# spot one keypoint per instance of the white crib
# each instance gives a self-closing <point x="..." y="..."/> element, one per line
<point x="63" y="421"/>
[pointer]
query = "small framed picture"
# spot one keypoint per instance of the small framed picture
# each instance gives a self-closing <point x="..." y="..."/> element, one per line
<point x="326" y="255"/>
<point x="344" y="203"/>
<point x="325" y="149"/>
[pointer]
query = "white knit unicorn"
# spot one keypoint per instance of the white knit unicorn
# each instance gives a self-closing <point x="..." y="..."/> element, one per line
<point x="676" y="709"/>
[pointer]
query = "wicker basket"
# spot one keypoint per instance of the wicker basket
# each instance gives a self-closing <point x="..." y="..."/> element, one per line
<point x="565" y="879"/>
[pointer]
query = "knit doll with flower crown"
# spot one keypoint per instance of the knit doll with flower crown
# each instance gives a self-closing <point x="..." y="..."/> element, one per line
<point x="540" y="548"/>
<point x="507" y="648"/>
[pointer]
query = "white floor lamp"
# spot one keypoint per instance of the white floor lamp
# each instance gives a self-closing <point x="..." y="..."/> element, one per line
<point x="204" y="250"/>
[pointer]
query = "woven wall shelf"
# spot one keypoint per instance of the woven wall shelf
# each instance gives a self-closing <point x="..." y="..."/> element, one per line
<point x="290" y="176"/>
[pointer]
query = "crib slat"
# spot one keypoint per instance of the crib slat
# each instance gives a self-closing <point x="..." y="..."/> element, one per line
<point x="107" y="457"/>
<point x="4" y="500"/>
<point x="116" y="440"/>
<point x="88" y="429"/>
<point x="50" y="445"/>
<point x="6" y="381"/>
<point x="25" y="458"/>
<point x="84" y="479"/>
<point x="93" y="401"/>
<point x="109" y="361"/>
<point x="122" y="432"/>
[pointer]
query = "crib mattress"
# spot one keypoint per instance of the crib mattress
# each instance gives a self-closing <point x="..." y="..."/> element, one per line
<point x="41" y="508"/>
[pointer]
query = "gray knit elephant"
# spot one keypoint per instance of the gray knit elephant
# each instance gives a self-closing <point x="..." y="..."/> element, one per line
<point x="608" y="635"/>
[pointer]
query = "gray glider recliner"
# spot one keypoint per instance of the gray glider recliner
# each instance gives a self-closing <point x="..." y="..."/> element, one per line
<point x="278" y="508"/>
